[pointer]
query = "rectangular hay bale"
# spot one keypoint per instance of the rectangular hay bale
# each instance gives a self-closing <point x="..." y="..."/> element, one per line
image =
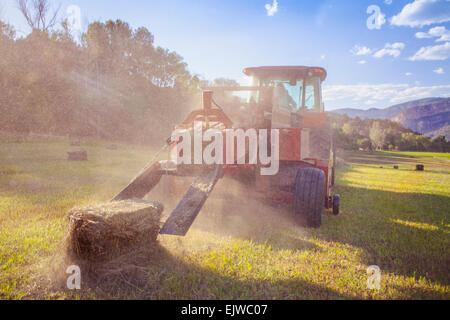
<point x="106" y="231"/>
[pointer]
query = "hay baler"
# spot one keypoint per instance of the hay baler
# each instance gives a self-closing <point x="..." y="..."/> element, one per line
<point x="282" y="100"/>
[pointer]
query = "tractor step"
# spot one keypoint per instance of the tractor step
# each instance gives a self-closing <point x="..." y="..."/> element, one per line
<point x="184" y="215"/>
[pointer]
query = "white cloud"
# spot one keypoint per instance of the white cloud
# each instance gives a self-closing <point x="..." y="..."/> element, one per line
<point x="358" y="50"/>
<point x="272" y="8"/>
<point x="323" y="57"/>
<point x="370" y="102"/>
<point x="439" y="71"/>
<point x="440" y="52"/>
<point x="381" y="95"/>
<point x="421" y="13"/>
<point x="362" y="61"/>
<point x="408" y="74"/>
<point x="388" y="2"/>
<point x="441" y="33"/>
<point x="361" y="93"/>
<point x="394" y="50"/>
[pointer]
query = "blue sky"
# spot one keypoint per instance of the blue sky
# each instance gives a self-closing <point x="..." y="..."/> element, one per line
<point x="397" y="52"/>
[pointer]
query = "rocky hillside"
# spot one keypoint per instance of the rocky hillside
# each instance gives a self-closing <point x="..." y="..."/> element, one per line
<point x="429" y="116"/>
<point x="426" y="118"/>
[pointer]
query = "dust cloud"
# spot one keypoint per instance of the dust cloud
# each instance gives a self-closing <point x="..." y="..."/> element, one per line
<point x="234" y="209"/>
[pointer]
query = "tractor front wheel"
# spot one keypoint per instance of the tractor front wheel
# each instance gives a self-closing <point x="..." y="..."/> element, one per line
<point x="309" y="197"/>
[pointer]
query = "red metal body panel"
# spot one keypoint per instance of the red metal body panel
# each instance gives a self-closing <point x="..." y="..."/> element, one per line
<point x="290" y="144"/>
<point x="314" y="119"/>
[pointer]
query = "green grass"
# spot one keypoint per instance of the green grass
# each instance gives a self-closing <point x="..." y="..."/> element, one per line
<point x="396" y="219"/>
<point x="419" y="154"/>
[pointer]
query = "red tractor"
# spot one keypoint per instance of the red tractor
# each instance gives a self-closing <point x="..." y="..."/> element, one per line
<point x="282" y="100"/>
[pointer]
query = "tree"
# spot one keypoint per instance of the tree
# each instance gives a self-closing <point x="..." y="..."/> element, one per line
<point x="440" y="144"/>
<point x="7" y="32"/>
<point x="378" y="135"/>
<point x="37" y="14"/>
<point x="364" y="144"/>
<point x="357" y="134"/>
<point x="8" y="88"/>
<point x="408" y="142"/>
<point x="347" y="129"/>
<point x="114" y="84"/>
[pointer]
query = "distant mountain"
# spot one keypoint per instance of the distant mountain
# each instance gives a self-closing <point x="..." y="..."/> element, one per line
<point x="428" y="116"/>
<point x="386" y="113"/>
<point x="444" y="131"/>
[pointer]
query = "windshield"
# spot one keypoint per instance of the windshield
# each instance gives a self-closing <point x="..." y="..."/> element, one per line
<point x="289" y="94"/>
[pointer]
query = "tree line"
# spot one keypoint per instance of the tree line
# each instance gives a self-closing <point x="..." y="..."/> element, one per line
<point x="374" y="134"/>
<point x="112" y="83"/>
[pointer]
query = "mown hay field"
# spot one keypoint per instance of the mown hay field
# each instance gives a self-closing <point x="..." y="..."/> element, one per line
<point x="239" y="248"/>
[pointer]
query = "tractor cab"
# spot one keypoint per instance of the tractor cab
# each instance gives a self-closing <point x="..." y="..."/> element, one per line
<point x="278" y="97"/>
<point x="294" y="92"/>
<point x="295" y="88"/>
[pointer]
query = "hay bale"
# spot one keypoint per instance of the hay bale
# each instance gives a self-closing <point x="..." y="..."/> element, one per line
<point x="77" y="155"/>
<point x="106" y="231"/>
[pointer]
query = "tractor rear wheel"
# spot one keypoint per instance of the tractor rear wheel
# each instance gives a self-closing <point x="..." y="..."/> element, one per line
<point x="309" y="197"/>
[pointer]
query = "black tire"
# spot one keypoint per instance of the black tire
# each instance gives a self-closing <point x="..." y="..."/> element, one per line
<point x="333" y="168"/>
<point x="309" y="197"/>
<point x="336" y="205"/>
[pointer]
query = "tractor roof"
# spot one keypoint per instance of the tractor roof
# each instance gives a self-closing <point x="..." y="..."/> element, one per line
<point x="287" y="72"/>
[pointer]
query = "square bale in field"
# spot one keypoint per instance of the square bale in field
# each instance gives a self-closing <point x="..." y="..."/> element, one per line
<point x="98" y="233"/>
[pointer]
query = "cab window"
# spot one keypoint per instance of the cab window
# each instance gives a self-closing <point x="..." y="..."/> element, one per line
<point x="310" y="99"/>
<point x="287" y="94"/>
<point x="312" y="94"/>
